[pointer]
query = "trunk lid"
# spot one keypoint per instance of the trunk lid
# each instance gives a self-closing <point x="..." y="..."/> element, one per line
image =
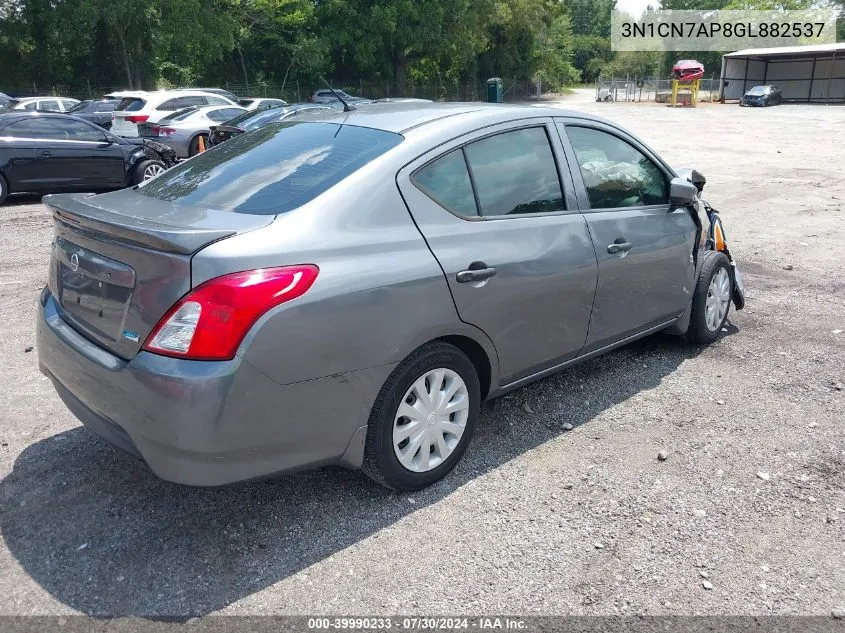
<point x="121" y="260"/>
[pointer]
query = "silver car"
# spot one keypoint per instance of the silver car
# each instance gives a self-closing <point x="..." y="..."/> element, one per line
<point x="183" y="129"/>
<point x="348" y="289"/>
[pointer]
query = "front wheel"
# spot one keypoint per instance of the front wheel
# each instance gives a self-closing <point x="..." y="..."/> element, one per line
<point x="712" y="299"/>
<point x="423" y="418"/>
<point x="147" y="169"/>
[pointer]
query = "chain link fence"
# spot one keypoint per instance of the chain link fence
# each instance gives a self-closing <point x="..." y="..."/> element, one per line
<point x="651" y="89"/>
<point x="292" y="92"/>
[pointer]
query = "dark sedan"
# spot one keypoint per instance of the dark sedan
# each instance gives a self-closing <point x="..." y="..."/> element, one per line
<point x="252" y="120"/>
<point x="44" y="152"/>
<point x="762" y="96"/>
<point x="96" y="111"/>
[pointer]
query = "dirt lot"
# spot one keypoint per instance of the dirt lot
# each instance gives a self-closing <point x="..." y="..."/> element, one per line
<point x="750" y="502"/>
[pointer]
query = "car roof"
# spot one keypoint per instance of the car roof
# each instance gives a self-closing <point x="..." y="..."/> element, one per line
<point x="16" y="115"/>
<point x="401" y="117"/>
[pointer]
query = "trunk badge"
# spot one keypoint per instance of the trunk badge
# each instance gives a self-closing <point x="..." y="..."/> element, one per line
<point x="74" y="261"/>
<point x="132" y="336"/>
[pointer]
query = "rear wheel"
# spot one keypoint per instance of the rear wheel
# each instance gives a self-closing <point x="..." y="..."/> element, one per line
<point x="194" y="147"/>
<point x="147" y="169"/>
<point x="4" y="189"/>
<point x="423" y="418"/>
<point x="712" y="299"/>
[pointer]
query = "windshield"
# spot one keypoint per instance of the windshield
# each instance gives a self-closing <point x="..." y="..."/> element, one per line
<point x="272" y="170"/>
<point x="760" y="90"/>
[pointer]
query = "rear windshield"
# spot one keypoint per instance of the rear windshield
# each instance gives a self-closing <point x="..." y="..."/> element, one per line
<point x="249" y="115"/>
<point x="131" y="104"/>
<point x="245" y="102"/>
<point x="759" y="90"/>
<point x="272" y="170"/>
<point x="179" y="115"/>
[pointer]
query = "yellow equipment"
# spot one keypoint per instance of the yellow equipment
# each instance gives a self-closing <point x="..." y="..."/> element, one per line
<point x="693" y="85"/>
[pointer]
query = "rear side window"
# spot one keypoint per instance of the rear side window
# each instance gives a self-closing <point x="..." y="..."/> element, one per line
<point x="50" y="105"/>
<point x="131" y="104"/>
<point x="272" y="170"/>
<point x="515" y="172"/>
<point x="179" y="115"/>
<point x="224" y="114"/>
<point x="615" y="173"/>
<point x="67" y="105"/>
<point x="447" y="182"/>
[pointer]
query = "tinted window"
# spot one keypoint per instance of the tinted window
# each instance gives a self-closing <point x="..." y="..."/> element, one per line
<point x="83" y="106"/>
<point x="214" y="100"/>
<point x="245" y="102"/>
<point x="18" y="129"/>
<point x="446" y="181"/>
<point x="104" y="106"/>
<point x="32" y="105"/>
<point x="68" y="104"/>
<point x="265" y="117"/>
<point x="223" y="114"/>
<point x="131" y="104"/>
<point x="171" y="104"/>
<point x="616" y="174"/>
<point x="51" y="105"/>
<point x="515" y="172"/>
<point x="272" y="170"/>
<point x="64" y="129"/>
<point x="179" y="115"/>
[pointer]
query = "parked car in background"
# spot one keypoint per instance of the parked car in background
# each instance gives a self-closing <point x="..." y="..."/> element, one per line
<point x="96" y="111"/>
<point x="49" y="152"/>
<point x="254" y="119"/>
<point x="327" y="96"/>
<point x="151" y="107"/>
<point x="762" y="96"/>
<point x="215" y="91"/>
<point x="120" y="94"/>
<point x="4" y="98"/>
<point x="183" y="129"/>
<point x="261" y="103"/>
<point x="43" y="104"/>
<point x="343" y="291"/>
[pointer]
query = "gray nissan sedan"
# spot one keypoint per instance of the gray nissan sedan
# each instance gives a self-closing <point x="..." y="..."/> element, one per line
<point x="348" y="288"/>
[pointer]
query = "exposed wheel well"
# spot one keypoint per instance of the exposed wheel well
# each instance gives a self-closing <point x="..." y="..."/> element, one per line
<point x="478" y="357"/>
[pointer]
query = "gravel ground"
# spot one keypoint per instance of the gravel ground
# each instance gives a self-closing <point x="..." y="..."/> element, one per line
<point x="746" y="515"/>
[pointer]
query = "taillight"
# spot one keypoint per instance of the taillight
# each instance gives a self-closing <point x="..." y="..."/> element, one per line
<point x="137" y="118"/>
<point x="210" y="322"/>
<point x="163" y="131"/>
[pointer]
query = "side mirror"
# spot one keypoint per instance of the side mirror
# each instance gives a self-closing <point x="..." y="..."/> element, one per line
<point x="682" y="192"/>
<point x="695" y="177"/>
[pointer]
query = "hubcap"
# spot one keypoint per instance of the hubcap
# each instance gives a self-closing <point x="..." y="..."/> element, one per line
<point x="718" y="299"/>
<point x="152" y="170"/>
<point x="430" y="420"/>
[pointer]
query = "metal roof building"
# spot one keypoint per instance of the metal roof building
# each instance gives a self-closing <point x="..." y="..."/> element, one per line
<point x="812" y="74"/>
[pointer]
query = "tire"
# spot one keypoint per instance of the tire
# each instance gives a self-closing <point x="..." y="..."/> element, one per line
<point x="4" y="189"/>
<point x="194" y="147"/>
<point x="143" y="170"/>
<point x="704" y="326"/>
<point x="436" y="360"/>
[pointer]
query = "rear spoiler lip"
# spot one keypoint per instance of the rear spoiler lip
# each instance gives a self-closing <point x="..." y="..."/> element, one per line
<point x="73" y="210"/>
<point x="225" y="128"/>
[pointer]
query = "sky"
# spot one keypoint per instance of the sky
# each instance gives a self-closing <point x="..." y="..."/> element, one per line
<point x="634" y="7"/>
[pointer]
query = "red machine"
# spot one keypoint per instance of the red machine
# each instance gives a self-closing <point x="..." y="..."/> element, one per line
<point x="688" y="70"/>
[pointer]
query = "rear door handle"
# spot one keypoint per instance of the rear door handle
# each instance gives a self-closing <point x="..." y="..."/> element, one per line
<point x="45" y="153"/>
<point x="478" y="271"/>
<point x="619" y="247"/>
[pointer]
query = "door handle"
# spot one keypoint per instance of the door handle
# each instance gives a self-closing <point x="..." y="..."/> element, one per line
<point x="45" y="153"/>
<point x="477" y="271"/>
<point x="619" y="247"/>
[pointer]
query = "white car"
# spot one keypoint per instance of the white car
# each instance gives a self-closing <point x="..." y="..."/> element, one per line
<point x="151" y="107"/>
<point x="47" y="104"/>
<point x="261" y="103"/>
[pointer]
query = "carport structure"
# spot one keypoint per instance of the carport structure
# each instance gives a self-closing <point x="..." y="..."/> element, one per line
<point x="809" y="74"/>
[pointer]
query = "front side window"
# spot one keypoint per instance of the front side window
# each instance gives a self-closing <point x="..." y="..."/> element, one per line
<point x="272" y="170"/>
<point x="64" y="130"/>
<point x="446" y="181"/>
<point x="615" y="173"/>
<point x="515" y="173"/>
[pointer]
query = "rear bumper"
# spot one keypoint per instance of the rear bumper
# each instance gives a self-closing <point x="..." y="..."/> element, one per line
<point x="178" y="144"/>
<point x="205" y="423"/>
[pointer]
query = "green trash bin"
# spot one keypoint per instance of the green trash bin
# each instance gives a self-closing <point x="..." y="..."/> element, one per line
<point x="494" y="90"/>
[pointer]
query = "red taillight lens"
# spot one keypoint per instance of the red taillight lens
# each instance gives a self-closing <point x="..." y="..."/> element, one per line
<point x="163" y="131"/>
<point x="210" y="322"/>
<point x="137" y="118"/>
